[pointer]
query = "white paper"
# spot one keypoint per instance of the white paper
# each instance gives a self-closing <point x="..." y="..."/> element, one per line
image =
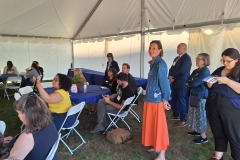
<point x="210" y="79"/>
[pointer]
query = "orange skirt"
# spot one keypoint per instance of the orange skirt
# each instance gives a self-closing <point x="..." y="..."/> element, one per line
<point x="155" y="129"/>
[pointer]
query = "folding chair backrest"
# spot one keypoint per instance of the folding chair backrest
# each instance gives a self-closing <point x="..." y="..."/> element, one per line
<point x="15" y="79"/>
<point x="127" y="102"/>
<point x="73" y="110"/>
<point x="54" y="148"/>
<point x="140" y="89"/>
<point x="2" y="127"/>
<point x="25" y="90"/>
<point x="46" y="84"/>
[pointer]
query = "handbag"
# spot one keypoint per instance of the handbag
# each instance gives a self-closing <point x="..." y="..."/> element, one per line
<point x="194" y="101"/>
<point x="119" y="136"/>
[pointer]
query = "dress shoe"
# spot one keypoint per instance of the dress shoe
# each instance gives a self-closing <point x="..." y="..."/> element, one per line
<point x="182" y="124"/>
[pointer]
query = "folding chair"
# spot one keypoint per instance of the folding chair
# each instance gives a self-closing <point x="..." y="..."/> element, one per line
<point x="2" y="127"/>
<point x="133" y="104"/>
<point x="52" y="152"/>
<point x="12" y="83"/>
<point x="25" y="90"/>
<point x="73" y="110"/>
<point x="120" y="115"/>
<point x="17" y="96"/>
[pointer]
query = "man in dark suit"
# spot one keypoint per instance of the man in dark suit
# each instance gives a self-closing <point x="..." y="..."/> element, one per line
<point x="178" y="75"/>
<point x="111" y="64"/>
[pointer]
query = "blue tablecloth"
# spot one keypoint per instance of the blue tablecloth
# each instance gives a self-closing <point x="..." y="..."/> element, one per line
<point x="96" y="77"/>
<point x="3" y="77"/>
<point x="93" y="94"/>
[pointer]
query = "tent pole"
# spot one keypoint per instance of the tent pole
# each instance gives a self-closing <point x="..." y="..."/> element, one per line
<point x="142" y="40"/>
<point x="72" y="64"/>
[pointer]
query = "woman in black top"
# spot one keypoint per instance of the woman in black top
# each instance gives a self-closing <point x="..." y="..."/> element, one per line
<point x="111" y="81"/>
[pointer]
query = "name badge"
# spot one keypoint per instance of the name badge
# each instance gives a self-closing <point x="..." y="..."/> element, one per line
<point x="118" y="98"/>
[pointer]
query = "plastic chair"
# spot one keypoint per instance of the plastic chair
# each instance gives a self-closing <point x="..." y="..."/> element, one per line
<point x="2" y="127"/>
<point x="140" y="89"/>
<point x="25" y="90"/>
<point x="52" y="152"/>
<point x="17" y="96"/>
<point x="12" y="83"/>
<point x="120" y="115"/>
<point x="73" y="110"/>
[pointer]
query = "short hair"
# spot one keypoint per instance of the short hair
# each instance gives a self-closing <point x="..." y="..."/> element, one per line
<point x="36" y="112"/>
<point x="110" y="55"/>
<point x="159" y="44"/>
<point x="126" y="64"/>
<point x="122" y="77"/>
<point x="206" y="58"/>
<point x="64" y="82"/>
<point x="9" y="64"/>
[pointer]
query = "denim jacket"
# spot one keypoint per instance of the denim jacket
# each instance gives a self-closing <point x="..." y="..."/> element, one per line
<point x="158" y="83"/>
<point x="196" y="84"/>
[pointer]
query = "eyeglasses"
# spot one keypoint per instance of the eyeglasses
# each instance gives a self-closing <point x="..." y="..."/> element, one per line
<point x="198" y="59"/>
<point x="227" y="61"/>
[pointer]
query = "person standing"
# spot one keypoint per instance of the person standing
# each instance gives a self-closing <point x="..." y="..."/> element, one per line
<point x="197" y="120"/>
<point x="111" y="64"/>
<point x="178" y="75"/>
<point x="223" y="105"/>
<point x="154" y="129"/>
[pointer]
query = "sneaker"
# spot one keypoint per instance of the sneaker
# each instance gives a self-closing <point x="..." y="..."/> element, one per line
<point x="200" y="140"/>
<point x="97" y="129"/>
<point x="194" y="133"/>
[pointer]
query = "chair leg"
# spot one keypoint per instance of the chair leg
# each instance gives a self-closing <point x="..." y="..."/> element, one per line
<point x="125" y="123"/>
<point x="135" y="115"/>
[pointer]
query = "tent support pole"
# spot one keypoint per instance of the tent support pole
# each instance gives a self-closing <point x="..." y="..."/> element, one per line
<point x="142" y="41"/>
<point x="72" y="64"/>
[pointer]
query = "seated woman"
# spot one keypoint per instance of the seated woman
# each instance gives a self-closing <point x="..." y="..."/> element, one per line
<point x="78" y="76"/>
<point x="30" y="73"/>
<point x="58" y="102"/>
<point x="10" y="69"/>
<point x="111" y="81"/>
<point x="33" y="143"/>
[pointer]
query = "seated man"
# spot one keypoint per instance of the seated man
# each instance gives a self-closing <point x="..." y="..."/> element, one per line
<point x="112" y="103"/>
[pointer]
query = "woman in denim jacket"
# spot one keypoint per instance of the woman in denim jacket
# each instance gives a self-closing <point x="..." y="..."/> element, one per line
<point x="197" y="120"/>
<point x="155" y="130"/>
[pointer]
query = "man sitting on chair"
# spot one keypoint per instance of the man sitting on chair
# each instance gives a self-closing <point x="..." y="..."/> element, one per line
<point x="112" y="104"/>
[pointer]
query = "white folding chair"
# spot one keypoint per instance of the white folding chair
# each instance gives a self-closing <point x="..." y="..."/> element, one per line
<point x="25" y="90"/>
<point x="17" y="96"/>
<point x="114" y="118"/>
<point x="12" y="83"/>
<point x="52" y="152"/>
<point x="73" y="110"/>
<point x="133" y="104"/>
<point x="46" y="84"/>
<point x="2" y="127"/>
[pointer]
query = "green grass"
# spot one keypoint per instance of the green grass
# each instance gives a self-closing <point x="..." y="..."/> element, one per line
<point x="98" y="148"/>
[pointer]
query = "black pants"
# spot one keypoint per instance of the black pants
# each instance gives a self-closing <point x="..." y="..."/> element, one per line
<point x="224" y="120"/>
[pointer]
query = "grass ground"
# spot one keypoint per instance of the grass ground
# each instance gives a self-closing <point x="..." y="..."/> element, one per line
<point x="98" y="148"/>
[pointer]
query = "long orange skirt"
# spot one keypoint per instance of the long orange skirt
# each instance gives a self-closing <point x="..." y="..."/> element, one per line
<point x="155" y="129"/>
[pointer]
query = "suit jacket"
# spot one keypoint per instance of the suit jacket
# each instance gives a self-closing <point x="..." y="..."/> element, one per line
<point x="181" y="71"/>
<point x="114" y="64"/>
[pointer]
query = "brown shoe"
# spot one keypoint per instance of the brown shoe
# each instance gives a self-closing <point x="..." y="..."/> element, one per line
<point x="182" y="124"/>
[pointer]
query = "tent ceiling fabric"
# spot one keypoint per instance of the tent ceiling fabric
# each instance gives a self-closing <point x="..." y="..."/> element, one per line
<point x="61" y="18"/>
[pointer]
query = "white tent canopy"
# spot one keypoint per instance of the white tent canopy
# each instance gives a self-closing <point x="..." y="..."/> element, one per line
<point x="59" y="32"/>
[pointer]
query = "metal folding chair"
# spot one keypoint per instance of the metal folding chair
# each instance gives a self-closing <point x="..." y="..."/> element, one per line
<point x="133" y="104"/>
<point x="12" y="83"/>
<point x="2" y="127"/>
<point x="114" y="118"/>
<point x="73" y="110"/>
<point x="25" y="90"/>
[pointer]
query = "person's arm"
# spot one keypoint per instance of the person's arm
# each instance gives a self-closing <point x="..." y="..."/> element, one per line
<point x="199" y="79"/>
<point x="232" y="84"/>
<point x="49" y="98"/>
<point x="163" y="81"/>
<point x="23" y="145"/>
<point x="116" y="105"/>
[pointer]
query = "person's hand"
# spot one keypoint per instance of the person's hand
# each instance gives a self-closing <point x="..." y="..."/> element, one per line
<point x="171" y="79"/>
<point x="107" y="99"/>
<point x="166" y="105"/>
<point x="222" y="80"/>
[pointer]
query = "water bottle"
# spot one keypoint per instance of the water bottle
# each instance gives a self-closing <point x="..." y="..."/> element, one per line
<point x="85" y="88"/>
